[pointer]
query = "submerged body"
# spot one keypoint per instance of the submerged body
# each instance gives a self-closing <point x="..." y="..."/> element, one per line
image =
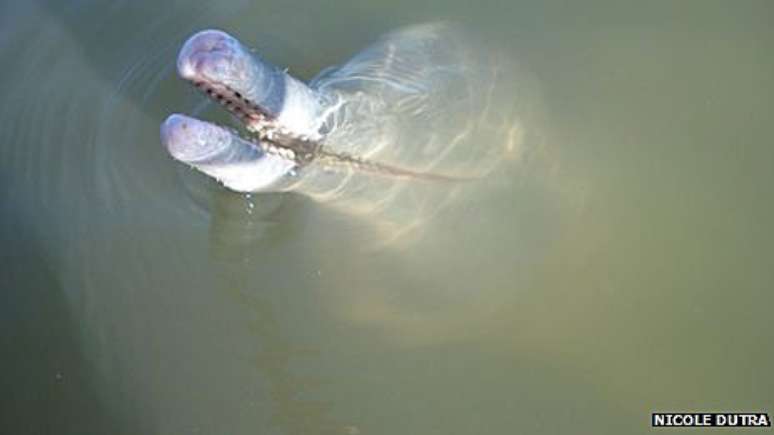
<point x="394" y="128"/>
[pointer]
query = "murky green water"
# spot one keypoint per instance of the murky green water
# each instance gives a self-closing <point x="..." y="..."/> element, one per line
<point x="625" y="268"/>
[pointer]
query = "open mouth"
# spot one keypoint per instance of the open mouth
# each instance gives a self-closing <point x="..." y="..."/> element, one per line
<point x="221" y="68"/>
<point x="262" y="128"/>
<point x="252" y="90"/>
<point x="235" y="103"/>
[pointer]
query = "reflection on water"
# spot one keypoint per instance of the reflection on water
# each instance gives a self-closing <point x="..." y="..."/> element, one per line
<point x="622" y="269"/>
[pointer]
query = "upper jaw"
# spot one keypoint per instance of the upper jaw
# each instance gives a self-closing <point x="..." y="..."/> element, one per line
<point x="262" y="96"/>
<point x="215" y="57"/>
<point x="228" y="73"/>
